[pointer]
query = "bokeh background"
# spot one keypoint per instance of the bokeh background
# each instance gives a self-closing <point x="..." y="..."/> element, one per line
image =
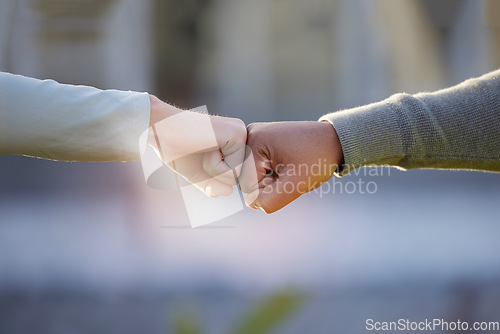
<point x="89" y="248"/>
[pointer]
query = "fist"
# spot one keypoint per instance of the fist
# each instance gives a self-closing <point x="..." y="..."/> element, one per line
<point x="286" y="160"/>
<point x="208" y="151"/>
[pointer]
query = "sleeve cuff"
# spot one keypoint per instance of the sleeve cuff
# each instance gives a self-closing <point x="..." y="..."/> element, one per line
<point x="369" y="135"/>
<point x="142" y="111"/>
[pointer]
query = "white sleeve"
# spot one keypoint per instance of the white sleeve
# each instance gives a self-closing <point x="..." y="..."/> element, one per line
<point x="74" y="123"/>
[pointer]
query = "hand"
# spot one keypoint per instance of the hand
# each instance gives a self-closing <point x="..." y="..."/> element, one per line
<point x="207" y="151"/>
<point x="289" y="159"/>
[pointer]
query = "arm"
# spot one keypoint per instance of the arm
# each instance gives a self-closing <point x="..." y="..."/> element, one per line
<point x="78" y="123"/>
<point x="75" y="123"/>
<point x="456" y="128"/>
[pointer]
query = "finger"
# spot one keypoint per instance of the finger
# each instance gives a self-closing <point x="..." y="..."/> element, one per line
<point x="216" y="167"/>
<point x="187" y="168"/>
<point x="249" y="177"/>
<point x="234" y="155"/>
<point x="225" y="164"/>
<point x="231" y="136"/>
<point x="215" y="188"/>
<point x="253" y="195"/>
<point x="210" y="185"/>
<point x="251" y="198"/>
<point x="275" y="193"/>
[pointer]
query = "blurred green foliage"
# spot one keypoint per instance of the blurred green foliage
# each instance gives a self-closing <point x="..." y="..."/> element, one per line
<point x="187" y="322"/>
<point x="266" y="316"/>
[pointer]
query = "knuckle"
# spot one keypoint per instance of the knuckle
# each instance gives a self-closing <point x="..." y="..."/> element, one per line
<point x="240" y="123"/>
<point x="242" y="133"/>
<point x="250" y="134"/>
<point x="250" y="127"/>
<point x="239" y="130"/>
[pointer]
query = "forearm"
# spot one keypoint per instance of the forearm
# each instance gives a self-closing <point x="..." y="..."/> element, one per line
<point x="456" y="128"/>
<point x="75" y="123"/>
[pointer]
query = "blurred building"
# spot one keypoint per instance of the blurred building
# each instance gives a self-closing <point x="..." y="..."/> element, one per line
<point x="88" y="247"/>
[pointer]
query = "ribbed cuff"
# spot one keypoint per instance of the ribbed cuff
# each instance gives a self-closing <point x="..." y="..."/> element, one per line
<point x="369" y="135"/>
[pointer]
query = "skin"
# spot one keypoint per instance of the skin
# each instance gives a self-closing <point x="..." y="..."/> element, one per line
<point x="274" y="163"/>
<point x="206" y="150"/>
<point x="288" y="159"/>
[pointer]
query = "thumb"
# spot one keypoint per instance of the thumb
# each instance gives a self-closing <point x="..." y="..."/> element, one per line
<point x="277" y="191"/>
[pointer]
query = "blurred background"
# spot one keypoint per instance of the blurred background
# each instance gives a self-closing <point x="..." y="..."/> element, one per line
<point x="89" y="248"/>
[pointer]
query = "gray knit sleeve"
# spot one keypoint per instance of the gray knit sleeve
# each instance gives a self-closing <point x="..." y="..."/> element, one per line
<point x="454" y="128"/>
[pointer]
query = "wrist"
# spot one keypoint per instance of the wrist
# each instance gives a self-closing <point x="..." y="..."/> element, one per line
<point x="332" y="141"/>
<point x="159" y="111"/>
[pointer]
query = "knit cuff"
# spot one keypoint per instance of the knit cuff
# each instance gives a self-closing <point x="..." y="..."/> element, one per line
<point x="369" y="135"/>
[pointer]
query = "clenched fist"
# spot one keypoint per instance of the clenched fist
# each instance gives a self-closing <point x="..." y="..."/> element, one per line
<point x="287" y="159"/>
<point x="206" y="150"/>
